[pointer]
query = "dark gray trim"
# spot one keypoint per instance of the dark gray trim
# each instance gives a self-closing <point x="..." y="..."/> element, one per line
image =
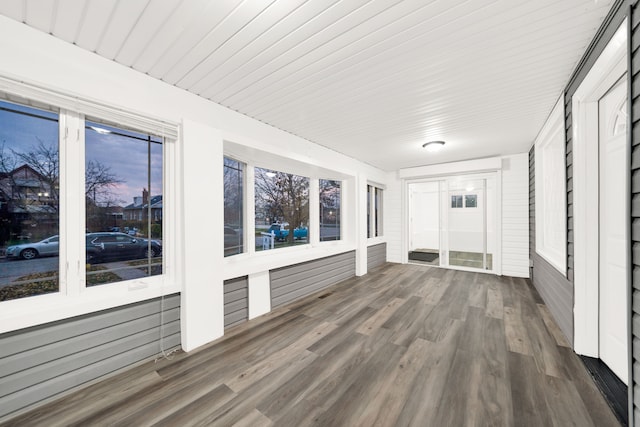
<point x="634" y="211"/>
<point x="376" y="255"/>
<point x="42" y="362"/>
<point x="236" y="301"/>
<point x="299" y="280"/>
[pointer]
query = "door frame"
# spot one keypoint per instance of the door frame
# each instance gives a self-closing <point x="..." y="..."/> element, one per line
<point x="481" y="173"/>
<point x="606" y="71"/>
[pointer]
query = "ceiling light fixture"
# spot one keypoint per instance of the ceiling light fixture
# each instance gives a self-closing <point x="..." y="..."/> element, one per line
<point x="433" y="146"/>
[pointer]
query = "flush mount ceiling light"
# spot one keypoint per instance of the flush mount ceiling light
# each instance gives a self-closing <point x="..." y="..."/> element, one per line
<point x="433" y="146"/>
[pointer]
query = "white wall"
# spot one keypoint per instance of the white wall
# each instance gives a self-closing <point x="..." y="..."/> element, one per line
<point x="515" y="215"/>
<point x="393" y="225"/>
<point x="40" y="59"/>
<point x="424" y="217"/>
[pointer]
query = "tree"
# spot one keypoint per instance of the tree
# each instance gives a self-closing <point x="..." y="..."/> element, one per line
<point x="233" y="185"/>
<point x="283" y="196"/>
<point x="30" y="179"/>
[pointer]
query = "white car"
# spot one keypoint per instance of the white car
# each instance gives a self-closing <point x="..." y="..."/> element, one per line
<point x="46" y="247"/>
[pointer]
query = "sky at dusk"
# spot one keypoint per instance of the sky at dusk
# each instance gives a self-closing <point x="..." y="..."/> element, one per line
<point x="118" y="149"/>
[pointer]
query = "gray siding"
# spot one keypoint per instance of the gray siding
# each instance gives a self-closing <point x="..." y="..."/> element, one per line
<point x="553" y="287"/>
<point x="376" y="255"/>
<point x="236" y="301"/>
<point x="634" y="415"/>
<point x="44" y="361"/>
<point x="299" y="280"/>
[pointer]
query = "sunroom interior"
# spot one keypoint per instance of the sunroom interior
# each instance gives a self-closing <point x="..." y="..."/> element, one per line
<point x="177" y="174"/>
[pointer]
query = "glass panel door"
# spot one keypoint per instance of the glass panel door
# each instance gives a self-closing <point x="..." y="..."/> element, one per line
<point x="470" y="222"/>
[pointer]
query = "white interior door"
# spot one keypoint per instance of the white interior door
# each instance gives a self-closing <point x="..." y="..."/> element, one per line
<point x="424" y="216"/>
<point x="613" y="230"/>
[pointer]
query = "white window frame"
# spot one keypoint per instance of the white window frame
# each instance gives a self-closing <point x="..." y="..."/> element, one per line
<point x="373" y="214"/>
<point x="245" y="230"/>
<point x="73" y="297"/>
<point x="341" y="202"/>
<point x="550" y="188"/>
<point x="255" y="262"/>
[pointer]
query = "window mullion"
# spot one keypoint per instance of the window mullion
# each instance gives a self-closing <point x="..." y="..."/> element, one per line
<point x="314" y="212"/>
<point x="73" y="207"/>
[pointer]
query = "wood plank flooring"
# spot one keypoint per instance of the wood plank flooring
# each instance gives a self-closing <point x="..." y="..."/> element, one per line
<point x="404" y="345"/>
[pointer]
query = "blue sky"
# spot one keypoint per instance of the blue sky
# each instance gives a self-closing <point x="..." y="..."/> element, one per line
<point x="123" y="154"/>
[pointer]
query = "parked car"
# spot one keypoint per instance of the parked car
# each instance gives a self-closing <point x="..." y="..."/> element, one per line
<point x="119" y="246"/>
<point x="46" y="247"/>
<point x="281" y="232"/>
<point x="103" y="246"/>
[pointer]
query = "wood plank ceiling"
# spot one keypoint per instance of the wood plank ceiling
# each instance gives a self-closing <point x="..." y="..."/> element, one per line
<point x="373" y="79"/>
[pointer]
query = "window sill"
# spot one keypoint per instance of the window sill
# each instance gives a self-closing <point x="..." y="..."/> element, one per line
<point x="245" y="264"/>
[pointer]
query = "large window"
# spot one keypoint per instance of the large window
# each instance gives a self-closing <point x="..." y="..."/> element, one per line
<point x="374" y="211"/>
<point x="550" y="190"/>
<point x="281" y="209"/>
<point x="233" y="207"/>
<point x="329" y="210"/>
<point x="123" y="185"/>
<point x="29" y="201"/>
<point x="108" y="230"/>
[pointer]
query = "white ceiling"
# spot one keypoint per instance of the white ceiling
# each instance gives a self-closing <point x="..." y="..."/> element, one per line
<point x="373" y="79"/>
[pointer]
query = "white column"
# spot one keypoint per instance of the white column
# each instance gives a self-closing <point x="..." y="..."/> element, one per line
<point x="361" y="212"/>
<point x="259" y="294"/>
<point x="202" y="216"/>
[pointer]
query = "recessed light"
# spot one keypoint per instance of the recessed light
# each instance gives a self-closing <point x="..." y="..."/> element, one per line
<point x="433" y="146"/>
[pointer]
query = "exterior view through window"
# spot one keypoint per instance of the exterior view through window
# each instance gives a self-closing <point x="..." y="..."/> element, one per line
<point x="282" y="209"/>
<point x="29" y="201"/>
<point x="329" y="210"/>
<point x="233" y="207"/>
<point x="378" y="211"/>
<point x="374" y="211"/>
<point x="123" y="193"/>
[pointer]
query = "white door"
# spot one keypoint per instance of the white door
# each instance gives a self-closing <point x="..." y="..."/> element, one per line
<point x="424" y="216"/>
<point x="613" y="230"/>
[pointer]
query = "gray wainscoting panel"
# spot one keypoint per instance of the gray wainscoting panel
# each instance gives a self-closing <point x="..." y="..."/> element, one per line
<point x="376" y="255"/>
<point x="41" y="362"/>
<point x="634" y="413"/>
<point x="553" y="287"/>
<point x="236" y="301"/>
<point x="299" y="280"/>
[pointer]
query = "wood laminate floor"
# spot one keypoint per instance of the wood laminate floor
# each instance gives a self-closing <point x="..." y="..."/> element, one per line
<point x="403" y="345"/>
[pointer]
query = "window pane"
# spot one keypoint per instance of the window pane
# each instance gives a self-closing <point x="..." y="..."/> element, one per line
<point x="378" y="202"/>
<point x="471" y="200"/>
<point x="329" y="210"/>
<point x="282" y="209"/>
<point x="29" y="201"/>
<point x="456" y="201"/>
<point x="233" y="207"/>
<point x="124" y="204"/>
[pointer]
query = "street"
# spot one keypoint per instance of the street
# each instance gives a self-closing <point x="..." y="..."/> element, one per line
<point x="12" y="270"/>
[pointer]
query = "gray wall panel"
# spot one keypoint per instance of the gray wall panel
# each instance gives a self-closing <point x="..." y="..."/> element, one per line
<point x="236" y="301"/>
<point x="60" y="356"/>
<point x="299" y="280"/>
<point x="376" y="255"/>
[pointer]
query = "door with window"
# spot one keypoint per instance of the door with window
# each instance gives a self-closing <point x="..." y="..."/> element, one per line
<point x="613" y="230"/>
